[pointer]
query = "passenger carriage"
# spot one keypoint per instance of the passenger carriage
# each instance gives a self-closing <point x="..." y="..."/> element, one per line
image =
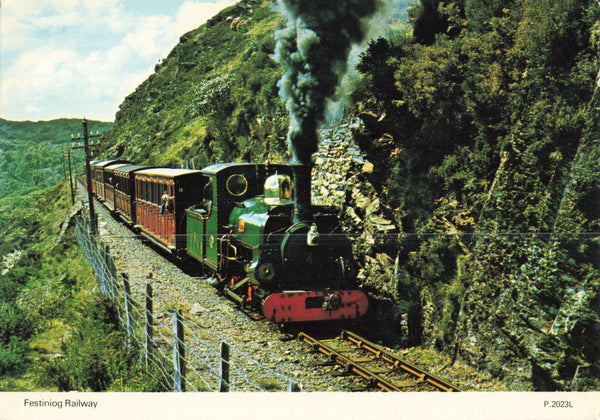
<point x="110" y="184"/>
<point x="163" y="221"/>
<point x="98" y="178"/>
<point x="124" y="187"/>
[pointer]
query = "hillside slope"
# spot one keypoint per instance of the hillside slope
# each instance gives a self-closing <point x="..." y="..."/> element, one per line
<point x="213" y="98"/>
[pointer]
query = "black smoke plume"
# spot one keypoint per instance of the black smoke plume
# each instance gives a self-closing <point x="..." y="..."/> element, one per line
<point x="313" y="50"/>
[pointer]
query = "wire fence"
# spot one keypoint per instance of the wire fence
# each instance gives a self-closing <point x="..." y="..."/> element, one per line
<point x="176" y="349"/>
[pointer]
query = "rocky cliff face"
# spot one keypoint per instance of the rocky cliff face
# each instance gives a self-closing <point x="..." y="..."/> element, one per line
<point x="340" y="179"/>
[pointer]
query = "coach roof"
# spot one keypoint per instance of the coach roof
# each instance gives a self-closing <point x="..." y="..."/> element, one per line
<point x="167" y="172"/>
<point x="131" y="168"/>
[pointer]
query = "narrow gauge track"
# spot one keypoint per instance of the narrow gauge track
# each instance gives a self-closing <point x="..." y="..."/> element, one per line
<point x="381" y="368"/>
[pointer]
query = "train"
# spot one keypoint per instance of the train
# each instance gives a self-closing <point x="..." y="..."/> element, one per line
<point x="251" y="226"/>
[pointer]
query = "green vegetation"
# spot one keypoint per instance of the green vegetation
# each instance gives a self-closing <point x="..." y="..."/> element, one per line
<point x="484" y="128"/>
<point x="482" y="123"/>
<point x="55" y="332"/>
<point x="31" y="153"/>
<point x="95" y="355"/>
<point x="214" y="98"/>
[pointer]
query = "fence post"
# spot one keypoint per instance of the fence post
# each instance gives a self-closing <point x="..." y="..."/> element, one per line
<point x="126" y="294"/>
<point x="224" y="372"/>
<point x="148" y="323"/>
<point x="111" y="267"/>
<point x="293" y="387"/>
<point x="178" y="353"/>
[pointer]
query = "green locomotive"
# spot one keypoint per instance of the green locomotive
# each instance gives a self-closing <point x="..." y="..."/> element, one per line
<point x="256" y="230"/>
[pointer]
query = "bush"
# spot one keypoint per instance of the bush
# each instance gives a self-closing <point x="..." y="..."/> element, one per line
<point x="12" y="356"/>
<point x="14" y="323"/>
<point x="96" y="357"/>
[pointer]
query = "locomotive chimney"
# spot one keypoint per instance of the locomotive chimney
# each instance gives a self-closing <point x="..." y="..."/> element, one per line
<point x="302" y="195"/>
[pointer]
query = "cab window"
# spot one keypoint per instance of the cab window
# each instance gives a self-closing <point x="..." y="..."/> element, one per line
<point x="237" y="185"/>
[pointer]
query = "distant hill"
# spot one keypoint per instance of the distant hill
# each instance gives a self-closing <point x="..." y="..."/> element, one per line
<point x="31" y="153"/>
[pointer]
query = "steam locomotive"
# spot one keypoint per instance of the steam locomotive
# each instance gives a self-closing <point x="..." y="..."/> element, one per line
<point x="252" y="226"/>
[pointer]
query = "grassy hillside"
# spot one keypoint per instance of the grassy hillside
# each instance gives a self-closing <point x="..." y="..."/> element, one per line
<point x="56" y="333"/>
<point x="214" y="97"/>
<point x="31" y="153"/>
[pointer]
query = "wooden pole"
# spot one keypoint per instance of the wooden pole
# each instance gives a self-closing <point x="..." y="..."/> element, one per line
<point x="149" y="323"/>
<point x="71" y="179"/>
<point x="178" y="353"/>
<point x="127" y="293"/>
<point x="224" y="372"/>
<point x="88" y="172"/>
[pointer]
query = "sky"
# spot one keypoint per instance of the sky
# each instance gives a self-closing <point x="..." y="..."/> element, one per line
<point x="81" y="58"/>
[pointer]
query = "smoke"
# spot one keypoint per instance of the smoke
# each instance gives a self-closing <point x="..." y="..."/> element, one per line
<point x="389" y="21"/>
<point x="313" y="49"/>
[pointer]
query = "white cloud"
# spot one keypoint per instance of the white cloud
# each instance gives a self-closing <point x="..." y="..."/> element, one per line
<point x="40" y="21"/>
<point x="192" y="14"/>
<point x="69" y="58"/>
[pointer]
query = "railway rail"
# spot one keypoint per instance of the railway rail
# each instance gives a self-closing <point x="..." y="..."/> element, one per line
<point x="381" y="368"/>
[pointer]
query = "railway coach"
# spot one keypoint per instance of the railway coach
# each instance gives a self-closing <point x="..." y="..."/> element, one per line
<point x="99" y="180"/>
<point x="124" y="180"/>
<point x="161" y="197"/>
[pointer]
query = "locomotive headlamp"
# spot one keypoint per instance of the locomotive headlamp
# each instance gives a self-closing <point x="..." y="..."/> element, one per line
<point x="312" y="237"/>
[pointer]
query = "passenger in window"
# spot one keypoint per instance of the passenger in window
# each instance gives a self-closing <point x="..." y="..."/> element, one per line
<point x="167" y="203"/>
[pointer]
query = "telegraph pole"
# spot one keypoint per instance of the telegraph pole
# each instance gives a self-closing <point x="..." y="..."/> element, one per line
<point x="88" y="173"/>
<point x="68" y="153"/>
